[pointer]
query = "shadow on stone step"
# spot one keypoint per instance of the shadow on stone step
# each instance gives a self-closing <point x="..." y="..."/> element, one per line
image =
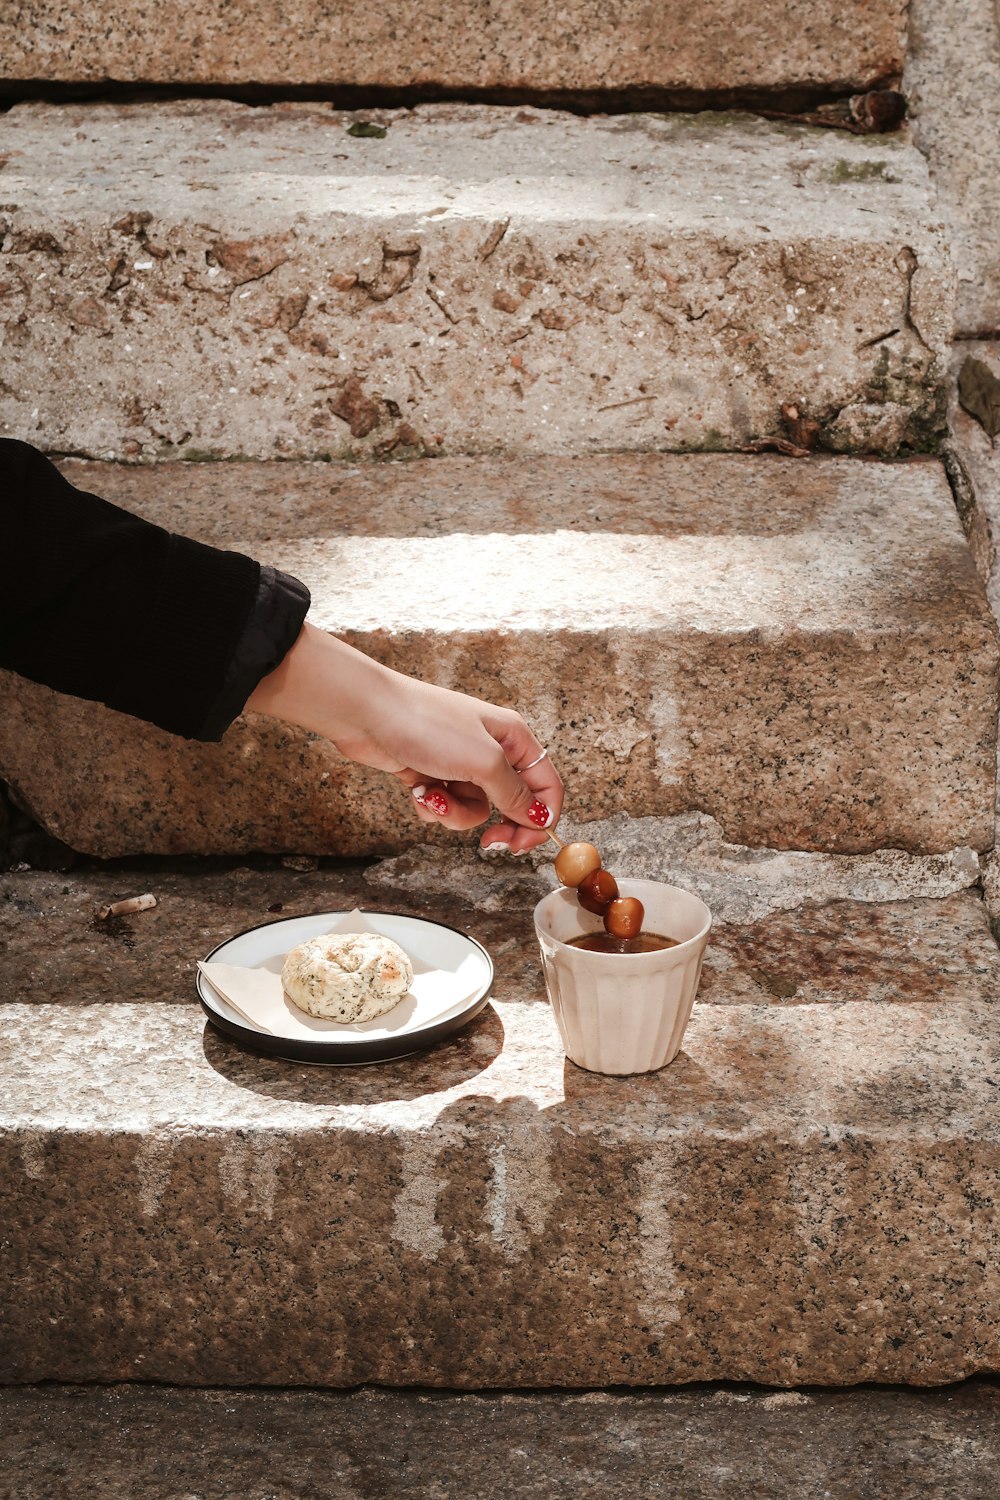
<point x="441" y="1068"/>
<point x="877" y="110"/>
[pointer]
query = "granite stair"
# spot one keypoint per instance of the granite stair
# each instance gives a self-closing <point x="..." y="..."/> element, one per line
<point x="801" y="648"/>
<point x="204" y="279"/>
<point x="806" y="1196"/>
<point x="458" y="335"/>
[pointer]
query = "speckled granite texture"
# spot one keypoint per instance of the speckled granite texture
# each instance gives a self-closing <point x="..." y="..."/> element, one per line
<point x="259" y="283"/>
<point x="741" y="884"/>
<point x="800" y="648"/>
<point x="901" y="951"/>
<point x="461" y="44"/>
<point x="69" y="1443"/>
<point x="807" y="1195"/>
<point x="52" y="951"/>
<point x="953" y="85"/>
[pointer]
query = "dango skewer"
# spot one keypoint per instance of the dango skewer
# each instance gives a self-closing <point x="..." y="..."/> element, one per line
<point x="578" y="866"/>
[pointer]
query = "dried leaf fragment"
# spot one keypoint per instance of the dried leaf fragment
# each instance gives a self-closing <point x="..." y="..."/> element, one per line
<point x="979" y="393"/>
<point x="800" y="430"/>
<point x="493" y="239"/>
<point x="875" y="112"/>
<point x="800" y="438"/>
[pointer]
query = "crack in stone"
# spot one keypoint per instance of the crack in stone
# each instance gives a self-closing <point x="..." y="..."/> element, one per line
<point x="908" y="263"/>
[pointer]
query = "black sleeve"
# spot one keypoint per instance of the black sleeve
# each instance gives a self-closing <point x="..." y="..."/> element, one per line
<point x="101" y="604"/>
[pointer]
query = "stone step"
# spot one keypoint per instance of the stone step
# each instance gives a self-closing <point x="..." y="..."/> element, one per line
<point x="801" y="648"/>
<point x="725" y="1443"/>
<point x="231" y="281"/>
<point x="806" y="1196"/>
<point x="580" y="46"/>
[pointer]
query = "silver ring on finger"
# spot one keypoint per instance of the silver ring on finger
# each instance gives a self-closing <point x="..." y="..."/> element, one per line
<point x="520" y="770"/>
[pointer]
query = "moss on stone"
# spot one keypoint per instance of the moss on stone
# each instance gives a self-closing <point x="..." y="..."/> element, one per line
<point x="859" y="171"/>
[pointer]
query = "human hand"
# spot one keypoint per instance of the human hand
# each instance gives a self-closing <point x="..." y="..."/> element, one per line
<point x="456" y="753"/>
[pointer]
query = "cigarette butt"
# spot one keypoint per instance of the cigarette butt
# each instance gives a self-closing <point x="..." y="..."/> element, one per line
<point x="127" y="907"/>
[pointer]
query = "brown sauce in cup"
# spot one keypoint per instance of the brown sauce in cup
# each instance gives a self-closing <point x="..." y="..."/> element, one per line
<point x="603" y="942"/>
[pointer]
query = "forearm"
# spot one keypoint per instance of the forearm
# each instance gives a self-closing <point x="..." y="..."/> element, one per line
<point x="456" y="753"/>
<point x="323" y="685"/>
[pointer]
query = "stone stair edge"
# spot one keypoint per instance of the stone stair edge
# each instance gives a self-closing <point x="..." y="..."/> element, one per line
<point x="854" y="45"/>
<point x="705" y="157"/>
<point x="746" y="1072"/>
<point x="845" y="160"/>
<point x="308" y="517"/>
<point x="464" y="481"/>
<point x="47" y="917"/>
<point x="752" y="626"/>
<point x="191" y="1212"/>
<point x="311" y="505"/>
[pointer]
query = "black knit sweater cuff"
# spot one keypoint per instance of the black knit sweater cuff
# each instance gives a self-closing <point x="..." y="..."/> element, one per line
<point x="271" y="630"/>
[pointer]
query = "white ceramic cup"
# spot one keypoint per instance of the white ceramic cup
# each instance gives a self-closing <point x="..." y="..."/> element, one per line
<point x="623" y="1012"/>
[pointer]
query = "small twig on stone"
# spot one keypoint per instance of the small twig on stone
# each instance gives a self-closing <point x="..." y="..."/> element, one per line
<point x="776" y="445"/>
<point x="125" y="908"/>
<point x="632" y="401"/>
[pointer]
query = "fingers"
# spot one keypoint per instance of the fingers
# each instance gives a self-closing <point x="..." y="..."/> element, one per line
<point x="530" y="800"/>
<point x="545" y="794"/>
<point x="511" y="838"/>
<point x="456" y="804"/>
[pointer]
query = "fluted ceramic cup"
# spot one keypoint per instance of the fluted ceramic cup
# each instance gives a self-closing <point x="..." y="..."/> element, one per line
<point x="623" y="1012"/>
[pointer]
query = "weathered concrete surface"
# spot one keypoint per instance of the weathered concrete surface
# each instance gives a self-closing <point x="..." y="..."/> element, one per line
<point x="953" y="84"/>
<point x="462" y="44"/>
<point x="53" y="951"/>
<point x="974" y="471"/>
<point x="807" y="1195"/>
<point x="236" y="281"/>
<point x="73" y="1443"/>
<point x="801" y="649"/>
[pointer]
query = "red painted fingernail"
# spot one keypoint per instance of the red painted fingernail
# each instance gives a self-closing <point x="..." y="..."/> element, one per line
<point x="433" y="800"/>
<point x="540" y="815"/>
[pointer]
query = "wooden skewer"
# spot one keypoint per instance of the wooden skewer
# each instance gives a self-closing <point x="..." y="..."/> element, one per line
<point x="560" y="844"/>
